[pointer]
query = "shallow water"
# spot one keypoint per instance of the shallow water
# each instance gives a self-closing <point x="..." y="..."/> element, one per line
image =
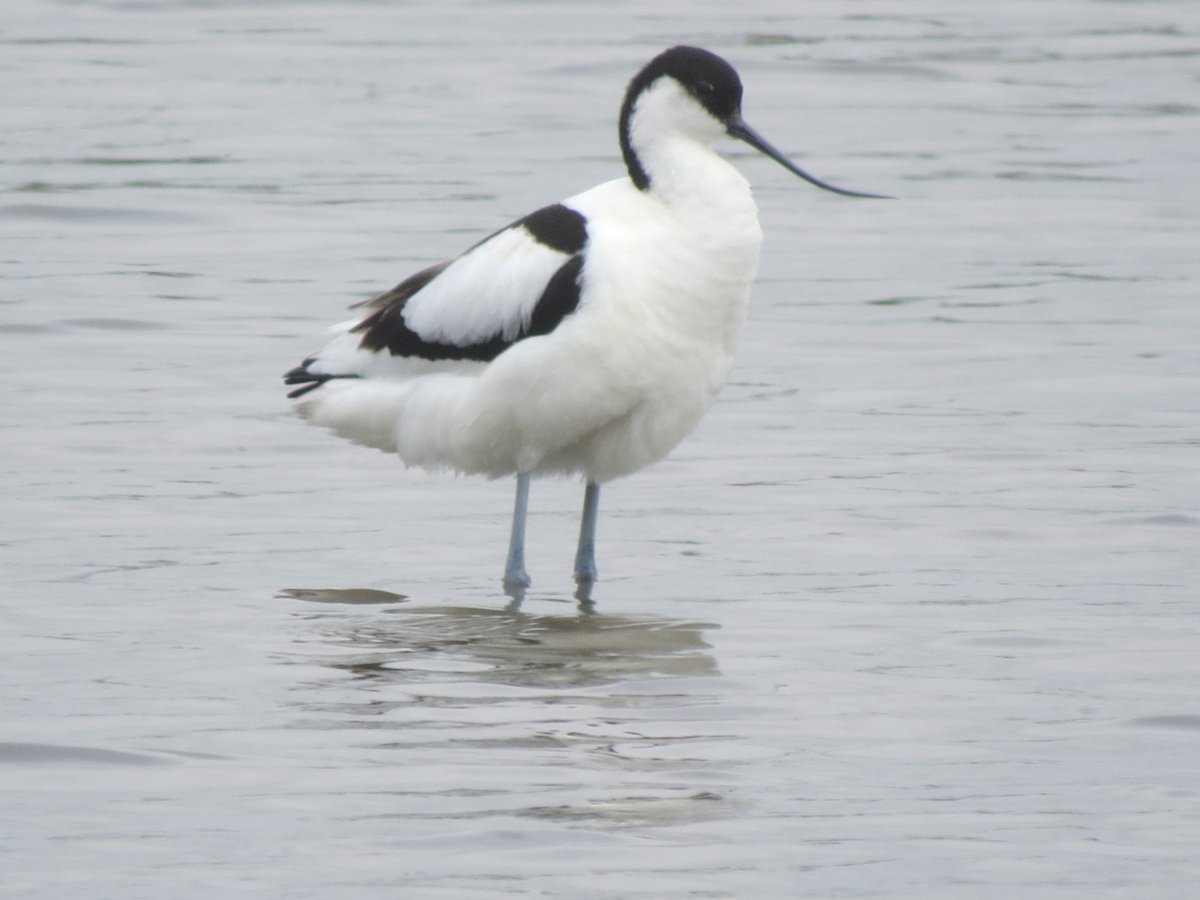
<point x="913" y="612"/>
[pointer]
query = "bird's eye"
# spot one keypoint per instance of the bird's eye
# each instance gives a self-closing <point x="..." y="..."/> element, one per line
<point x="705" y="88"/>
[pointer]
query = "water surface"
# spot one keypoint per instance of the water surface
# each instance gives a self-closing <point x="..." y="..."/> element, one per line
<point x="913" y="612"/>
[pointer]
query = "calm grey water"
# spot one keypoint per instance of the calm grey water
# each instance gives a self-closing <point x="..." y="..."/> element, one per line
<point x="913" y="613"/>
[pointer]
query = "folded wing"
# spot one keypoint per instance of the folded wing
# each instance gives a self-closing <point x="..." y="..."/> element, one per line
<point x="519" y="282"/>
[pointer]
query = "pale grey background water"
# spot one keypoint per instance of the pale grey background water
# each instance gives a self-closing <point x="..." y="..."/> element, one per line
<point x="912" y="614"/>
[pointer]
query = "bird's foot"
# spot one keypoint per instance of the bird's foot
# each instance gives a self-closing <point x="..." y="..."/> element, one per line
<point x="516" y="582"/>
<point x="583" y="590"/>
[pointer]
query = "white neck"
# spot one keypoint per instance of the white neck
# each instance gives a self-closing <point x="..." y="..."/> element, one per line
<point x="670" y="134"/>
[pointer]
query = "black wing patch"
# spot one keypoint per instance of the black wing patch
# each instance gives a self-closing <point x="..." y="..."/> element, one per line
<point x="557" y="227"/>
<point x="558" y="300"/>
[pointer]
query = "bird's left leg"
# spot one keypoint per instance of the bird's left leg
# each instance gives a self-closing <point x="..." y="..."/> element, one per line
<point x="585" y="555"/>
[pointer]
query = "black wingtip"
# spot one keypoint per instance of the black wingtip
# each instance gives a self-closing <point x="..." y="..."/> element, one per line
<point x="301" y="391"/>
<point x="309" y="381"/>
<point x="296" y="375"/>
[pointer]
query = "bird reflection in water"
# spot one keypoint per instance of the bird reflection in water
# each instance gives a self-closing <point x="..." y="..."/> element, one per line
<point x="418" y="643"/>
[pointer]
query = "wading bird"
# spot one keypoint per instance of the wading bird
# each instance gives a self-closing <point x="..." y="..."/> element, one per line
<point x="587" y="338"/>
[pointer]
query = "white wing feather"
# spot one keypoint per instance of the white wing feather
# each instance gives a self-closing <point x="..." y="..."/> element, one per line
<point x="489" y="292"/>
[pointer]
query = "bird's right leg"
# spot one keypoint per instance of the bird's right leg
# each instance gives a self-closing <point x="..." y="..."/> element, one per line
<point x="516" y="579"/>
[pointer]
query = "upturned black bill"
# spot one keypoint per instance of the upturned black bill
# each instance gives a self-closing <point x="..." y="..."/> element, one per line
<point x="744" y="132"/>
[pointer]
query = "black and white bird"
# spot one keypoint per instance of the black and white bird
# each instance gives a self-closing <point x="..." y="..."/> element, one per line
<point x="587" y="338"/>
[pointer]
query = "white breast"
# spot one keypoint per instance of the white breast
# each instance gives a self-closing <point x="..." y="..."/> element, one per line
<point x="621" y="382"/>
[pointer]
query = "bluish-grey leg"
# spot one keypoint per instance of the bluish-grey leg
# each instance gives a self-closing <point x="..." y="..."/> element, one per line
<point x="585" y="556"/>
<point x="516" y="579"/>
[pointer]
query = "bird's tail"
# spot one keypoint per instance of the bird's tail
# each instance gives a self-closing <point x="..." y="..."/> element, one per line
<point x="365" y="411"/>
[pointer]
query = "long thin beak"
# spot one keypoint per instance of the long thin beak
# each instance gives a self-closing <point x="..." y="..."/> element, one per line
<point x="744" y="132"/>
